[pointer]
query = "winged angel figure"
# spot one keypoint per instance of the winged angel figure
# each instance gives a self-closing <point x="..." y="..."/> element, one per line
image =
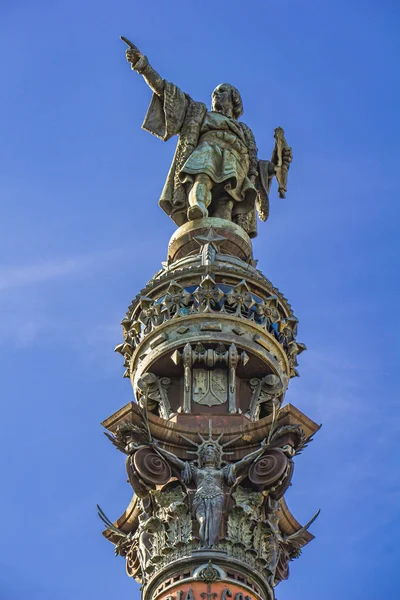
<point x="215" y="171"/>
<point x="212" y="482"/>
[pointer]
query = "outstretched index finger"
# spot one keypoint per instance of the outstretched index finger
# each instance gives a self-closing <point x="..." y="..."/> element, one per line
<point x="128" y="43"/>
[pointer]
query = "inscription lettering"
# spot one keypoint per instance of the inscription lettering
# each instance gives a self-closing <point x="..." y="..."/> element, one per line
<point x="209" y="595"/>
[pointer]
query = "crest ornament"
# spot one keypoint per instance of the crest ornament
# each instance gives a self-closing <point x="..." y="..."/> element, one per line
<point x="210" y="387"/>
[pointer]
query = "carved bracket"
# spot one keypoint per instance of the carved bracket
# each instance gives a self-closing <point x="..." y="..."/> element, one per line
<point x="154" y="390"/>
<point x="265" y="391"/>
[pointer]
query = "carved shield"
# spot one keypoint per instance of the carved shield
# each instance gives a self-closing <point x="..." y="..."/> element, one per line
<point x="210" y="387"/>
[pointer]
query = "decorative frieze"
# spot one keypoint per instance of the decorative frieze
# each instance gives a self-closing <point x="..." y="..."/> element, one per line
<point x="212" y="298"/>
<point x="183" y="503"/>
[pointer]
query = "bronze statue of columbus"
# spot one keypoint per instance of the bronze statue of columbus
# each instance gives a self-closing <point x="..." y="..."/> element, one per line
<point x="215" y="171"/>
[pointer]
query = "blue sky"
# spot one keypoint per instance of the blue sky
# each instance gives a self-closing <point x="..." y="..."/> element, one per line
<point x="81" y="233"/>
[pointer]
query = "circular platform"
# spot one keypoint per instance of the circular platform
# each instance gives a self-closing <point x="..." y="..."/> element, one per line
<point x="236" y="242"/>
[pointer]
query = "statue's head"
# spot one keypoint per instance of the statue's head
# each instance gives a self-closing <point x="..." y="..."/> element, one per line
<point x="226" y="99"/>
<point x="210" y="456"/>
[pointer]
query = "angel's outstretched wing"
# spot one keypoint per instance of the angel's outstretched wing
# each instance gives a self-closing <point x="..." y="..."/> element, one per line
<point x="295" y="537"/>
<point x="302" y="442"/>
<point x="116" y="442"/>
<point x="125" y="540"/>
<point x="305" y="441"/>
<point x="129" y="432"/>
<point x="108" y="523"/>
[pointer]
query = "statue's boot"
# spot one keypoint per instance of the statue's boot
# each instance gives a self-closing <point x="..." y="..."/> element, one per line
<point x="223" y="209"/>
<point x="199" y="198"/>
<point x="197" y="211"/>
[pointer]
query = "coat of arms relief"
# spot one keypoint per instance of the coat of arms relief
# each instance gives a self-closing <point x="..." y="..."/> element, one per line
<point x="210" y="387"/>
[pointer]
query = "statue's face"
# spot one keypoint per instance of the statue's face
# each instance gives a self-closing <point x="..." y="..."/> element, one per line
<point x="222" y="99"/>
<point x="209" y="456"/>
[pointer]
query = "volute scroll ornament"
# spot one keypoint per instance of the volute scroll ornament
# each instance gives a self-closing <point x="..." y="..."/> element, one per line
<point x="209" y="341"/>
<point x="268" y="469"/>
<point x="151" y="467"/>
<point x="153" y="392"/>
<point x="265" y="394"/>
<point x="133" y="567"/>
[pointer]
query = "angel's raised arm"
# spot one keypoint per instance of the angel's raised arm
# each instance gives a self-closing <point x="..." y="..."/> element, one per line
<point x="244" y="464"/>
<point x="171" y="458"/>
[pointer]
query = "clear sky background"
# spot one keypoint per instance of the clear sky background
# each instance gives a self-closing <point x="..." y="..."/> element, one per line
<point x="81" y="233"/>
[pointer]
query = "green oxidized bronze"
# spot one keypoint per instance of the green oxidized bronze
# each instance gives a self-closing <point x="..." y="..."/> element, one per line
<point x="215" y="171"/>
<point x="209" y="346"/>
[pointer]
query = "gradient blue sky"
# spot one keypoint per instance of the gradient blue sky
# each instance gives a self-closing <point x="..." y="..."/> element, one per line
<point x="81" y="233"/>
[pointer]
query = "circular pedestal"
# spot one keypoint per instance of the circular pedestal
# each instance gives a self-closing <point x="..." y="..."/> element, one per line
<point x="234" y="240"/>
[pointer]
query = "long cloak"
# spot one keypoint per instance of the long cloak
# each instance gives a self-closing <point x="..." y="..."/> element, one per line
<point x="178" y="114"/>
<point x="175" y="114"/>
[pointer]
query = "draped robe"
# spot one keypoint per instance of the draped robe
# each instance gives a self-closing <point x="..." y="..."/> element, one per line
<point x="212" y="485"/>
<point x="177" y="114"/>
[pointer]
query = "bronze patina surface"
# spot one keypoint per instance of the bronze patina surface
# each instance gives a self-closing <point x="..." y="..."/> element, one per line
<point x="209" y="346"/>
<point x="215" y="171"/>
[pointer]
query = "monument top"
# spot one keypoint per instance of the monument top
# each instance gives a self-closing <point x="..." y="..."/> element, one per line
<point x="209" y="345"/>
<point x="215" y="171"/>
